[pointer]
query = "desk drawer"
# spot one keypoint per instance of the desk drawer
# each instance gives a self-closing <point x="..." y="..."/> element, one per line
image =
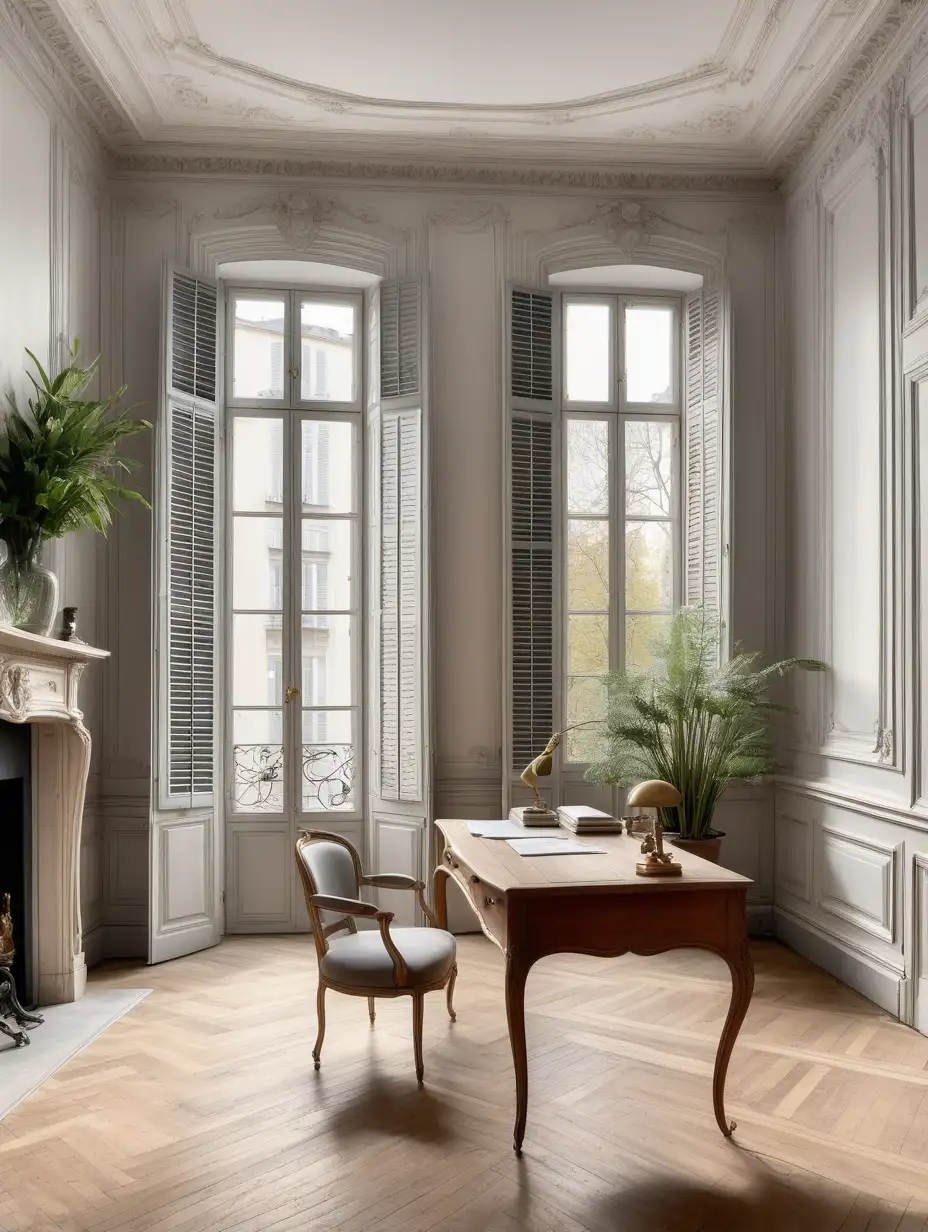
<point x="488" y="901"/>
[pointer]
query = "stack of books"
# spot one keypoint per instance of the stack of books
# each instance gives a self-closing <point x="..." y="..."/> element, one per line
<point x="580" y="819"/>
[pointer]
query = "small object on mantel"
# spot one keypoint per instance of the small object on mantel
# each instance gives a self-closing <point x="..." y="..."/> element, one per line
<point x="656" y="794"/>
<point x="69" y="626"/>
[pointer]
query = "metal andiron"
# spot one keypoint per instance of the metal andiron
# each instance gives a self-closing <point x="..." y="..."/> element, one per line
<point x="9" y="1002"/>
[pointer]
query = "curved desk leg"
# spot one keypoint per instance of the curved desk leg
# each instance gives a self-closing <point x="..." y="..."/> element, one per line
<point x="516" y="974"/>
<point x="741" y="966"/>
<point x="440" y="895"/>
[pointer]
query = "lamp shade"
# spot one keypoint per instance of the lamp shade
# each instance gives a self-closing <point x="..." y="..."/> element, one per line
<point x="654" y="793"/>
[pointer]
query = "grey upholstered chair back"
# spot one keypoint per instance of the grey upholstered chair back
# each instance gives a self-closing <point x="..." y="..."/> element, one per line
<point x="329" y="868"/>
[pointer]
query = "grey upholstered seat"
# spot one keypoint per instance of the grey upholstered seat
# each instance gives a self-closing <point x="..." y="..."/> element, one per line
<point x="362" y="959"/>
<point x="381" y="962"/>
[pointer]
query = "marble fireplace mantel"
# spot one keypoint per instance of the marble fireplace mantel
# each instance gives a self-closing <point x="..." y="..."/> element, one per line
<point x="39" y="682"/>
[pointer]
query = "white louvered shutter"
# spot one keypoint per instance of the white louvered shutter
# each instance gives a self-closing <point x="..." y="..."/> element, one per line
<point x="399" y="689"/>
<point x="704" y="522"/>
<point x="185" y="841"/>
<point x="531" y="387"/>
<point x="188" y="624"/>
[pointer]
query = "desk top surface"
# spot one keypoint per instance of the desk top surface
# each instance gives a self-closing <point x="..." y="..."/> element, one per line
<point x="494" y="861"/>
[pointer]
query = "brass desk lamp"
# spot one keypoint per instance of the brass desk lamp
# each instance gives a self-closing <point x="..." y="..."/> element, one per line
<point x="655" y="794"/>
<point x="540" y="767"/>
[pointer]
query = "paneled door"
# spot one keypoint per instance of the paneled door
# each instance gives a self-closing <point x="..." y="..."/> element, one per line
<point x="294" y="568"/>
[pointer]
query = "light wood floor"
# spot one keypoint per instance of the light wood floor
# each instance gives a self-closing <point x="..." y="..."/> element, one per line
<point x="200" y="1110"/>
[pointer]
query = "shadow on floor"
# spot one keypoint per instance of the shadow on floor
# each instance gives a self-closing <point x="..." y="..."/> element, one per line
<point x="765" y="1203"/>
<point x="396" y="1108"/>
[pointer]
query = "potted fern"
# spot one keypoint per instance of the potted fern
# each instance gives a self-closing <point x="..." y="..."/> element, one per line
<point x="60" y="471"/>
<point x="695" y="722"/>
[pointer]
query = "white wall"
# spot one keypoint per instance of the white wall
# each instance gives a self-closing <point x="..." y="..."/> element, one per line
<point x="470" y="244"/>
<point x="51" y="223"/>
<point x="852" y="821"/>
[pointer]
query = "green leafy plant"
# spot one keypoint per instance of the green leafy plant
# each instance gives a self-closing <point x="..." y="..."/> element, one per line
<point x="60" y="468"/>
<point x="692" y="721"/>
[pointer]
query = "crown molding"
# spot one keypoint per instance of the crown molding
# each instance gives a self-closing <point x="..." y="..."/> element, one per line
<point x="39" y="25"/>
<point x="894" y="29"/>
<point x="467" y="159"/>
<point x="487" y="174"/>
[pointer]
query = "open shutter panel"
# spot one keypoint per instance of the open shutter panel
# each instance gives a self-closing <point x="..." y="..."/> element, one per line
<point x="400" y="629"/>
<point x="703" y="566"/>
<point x="531" y="434"/>
<point x="401" y="548"/>
<point x="532" y="562"/>
<point x="188" y="641"/>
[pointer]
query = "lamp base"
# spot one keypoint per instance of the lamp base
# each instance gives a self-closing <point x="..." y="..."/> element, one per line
<point x="654" y="867"/>
<point x="530" y="816"/>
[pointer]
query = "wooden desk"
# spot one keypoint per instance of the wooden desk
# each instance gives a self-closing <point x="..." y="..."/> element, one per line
<point x="597" y="905"/>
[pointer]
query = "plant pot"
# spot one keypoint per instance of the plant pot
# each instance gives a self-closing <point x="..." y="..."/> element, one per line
<point x="710" y="847"/>
<point x="28" y="593"/>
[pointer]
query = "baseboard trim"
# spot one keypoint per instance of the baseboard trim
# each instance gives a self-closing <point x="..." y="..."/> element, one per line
<point x="877" y="983"/>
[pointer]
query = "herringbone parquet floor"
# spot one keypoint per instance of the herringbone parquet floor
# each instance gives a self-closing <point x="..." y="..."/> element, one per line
<point x="200" y="1110"/>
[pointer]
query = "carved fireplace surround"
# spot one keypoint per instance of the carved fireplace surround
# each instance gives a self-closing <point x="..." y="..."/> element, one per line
<point x="39" y="680"/>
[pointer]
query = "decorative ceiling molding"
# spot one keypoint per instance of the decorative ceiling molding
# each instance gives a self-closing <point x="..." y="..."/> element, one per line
<point x="443" y="173"/>
<point x="847" y="90"/>
<point x="112" y="124"/>
<point x="717" y="136"/>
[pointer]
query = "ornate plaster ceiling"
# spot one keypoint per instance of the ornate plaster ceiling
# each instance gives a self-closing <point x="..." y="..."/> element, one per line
<point x="707" y="84"/>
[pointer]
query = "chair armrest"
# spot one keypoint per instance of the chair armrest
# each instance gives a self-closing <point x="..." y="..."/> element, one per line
<point x="347" y="906"/>
<point x="355" y="907"/>
<point x="401" y="881"/>
<point x="391" y="881"/>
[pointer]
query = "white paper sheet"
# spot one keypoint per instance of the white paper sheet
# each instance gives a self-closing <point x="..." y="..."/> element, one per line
<point x="553" y="847"/>
<point x="511" y="829"/>
<point x="582" y="812"/>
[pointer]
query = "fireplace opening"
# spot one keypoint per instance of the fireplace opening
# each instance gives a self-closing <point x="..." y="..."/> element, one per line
<point x="16" y="854"/>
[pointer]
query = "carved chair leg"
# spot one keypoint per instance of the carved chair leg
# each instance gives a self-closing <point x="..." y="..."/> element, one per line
<point x="19" y="1038"/>
<point x="454" y="975"/>
<point x="371" y="1009"/>
<point x="418" y="1006"/>
<point x="320" y="1018"/>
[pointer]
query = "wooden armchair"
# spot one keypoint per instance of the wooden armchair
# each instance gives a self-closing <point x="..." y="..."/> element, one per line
<point x="392" y="962"/>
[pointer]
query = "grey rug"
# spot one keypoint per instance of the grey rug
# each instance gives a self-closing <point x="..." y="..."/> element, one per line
<point x="66" y="1031"/>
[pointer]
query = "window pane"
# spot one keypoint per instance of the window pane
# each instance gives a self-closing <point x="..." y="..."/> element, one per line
<point x="257" y="762"/>
<point x="587" y="565"/>
<point x="327" y="656"/>
<point x="328" y="766"/>
<point x="586" y="699"/>
<point x="257" y="563"/>
<point x="649" y="565"/>
<point x="587" y="466"/>
<point x="649" y="469"/>
<point x="648" y="354"/>
<point x="642" y="633"/>
<point x="588" y="329"/>
<point x="258" y="350"/>
<point x="327" y="565"/>
<point x="257" y="661"/>
<point x="257" y="464"/>
<point x="327" y="351"/>
<point x="587" y="645"/>
<point x="327" y="469"/>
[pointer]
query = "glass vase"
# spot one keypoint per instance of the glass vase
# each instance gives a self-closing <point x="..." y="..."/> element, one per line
<point x="28" y="593"/>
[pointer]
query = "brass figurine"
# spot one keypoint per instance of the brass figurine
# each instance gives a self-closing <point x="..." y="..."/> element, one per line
<point x="7" y="948"/>
<point x="656" y="794"/>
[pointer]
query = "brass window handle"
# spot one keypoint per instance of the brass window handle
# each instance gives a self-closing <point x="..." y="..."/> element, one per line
<point x="290" y="693"/>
